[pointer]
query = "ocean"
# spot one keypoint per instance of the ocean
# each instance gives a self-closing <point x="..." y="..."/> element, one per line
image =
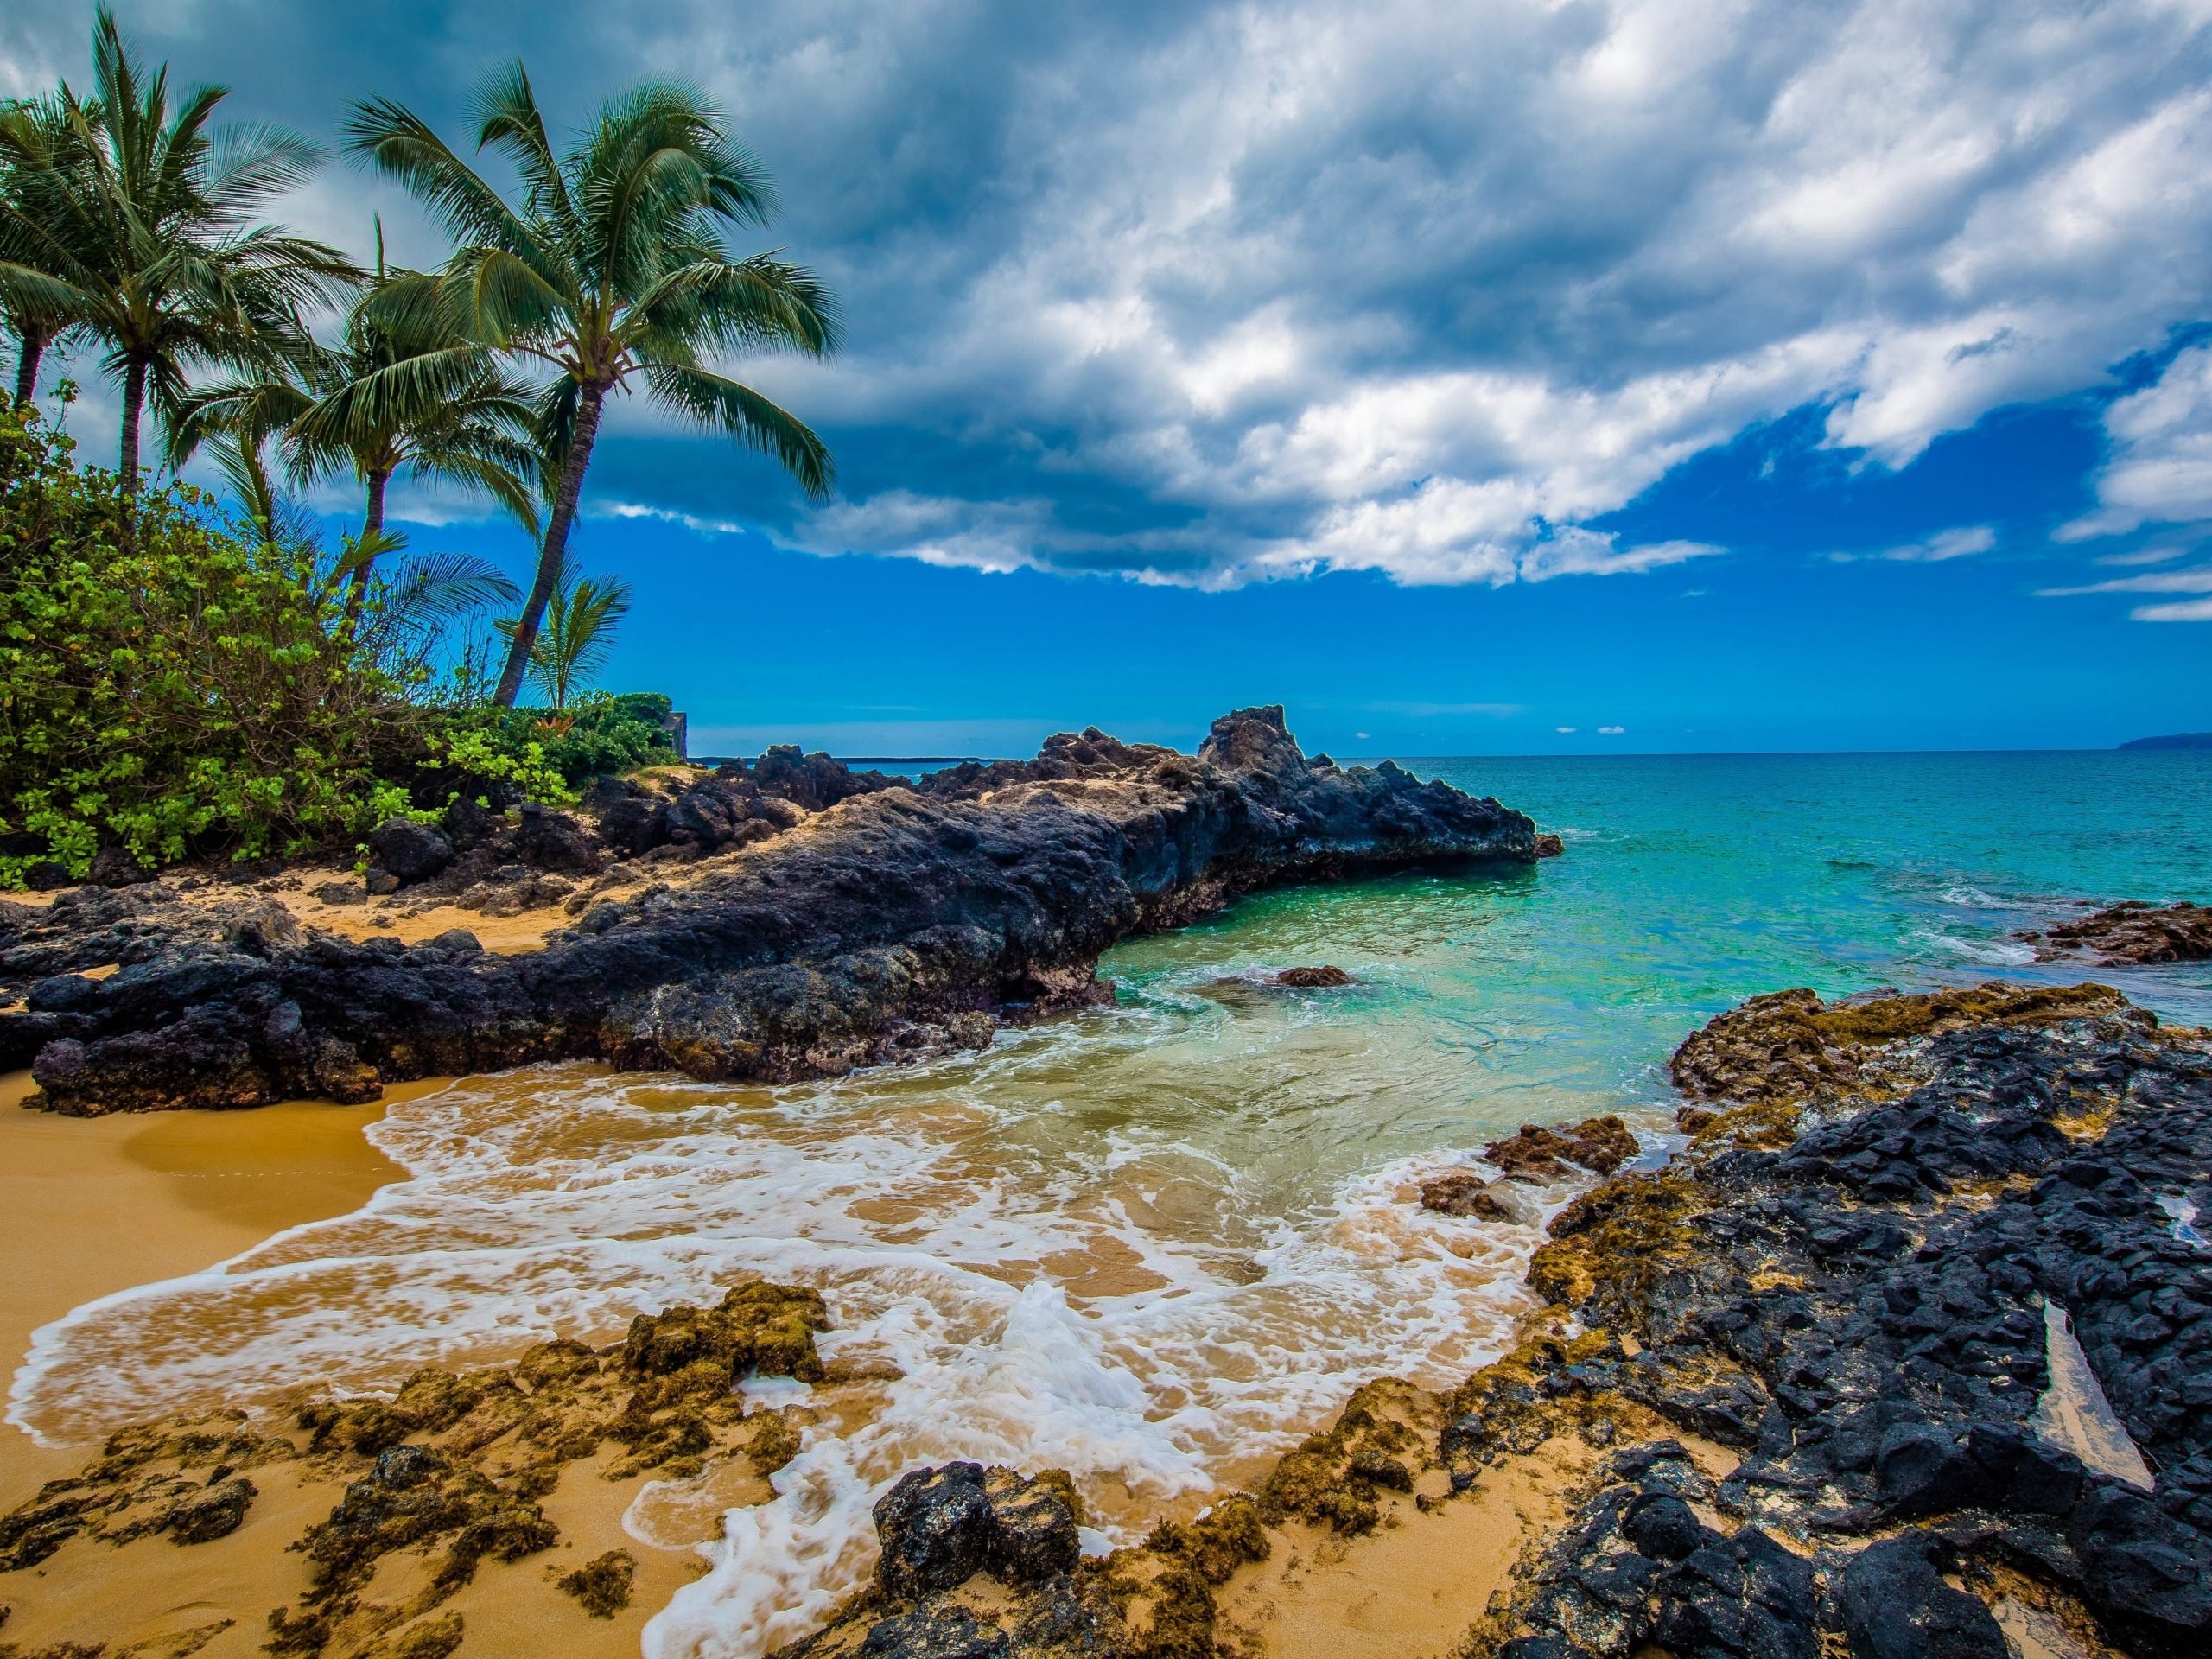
<point x="1155" y="1243"/>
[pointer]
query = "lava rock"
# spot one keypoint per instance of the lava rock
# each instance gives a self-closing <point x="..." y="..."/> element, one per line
<point x="935" y="1528"/>
<point x="554" y="841"/>
<point x="1033" y="1534"/>
<point x="1461" y="1193"/>
<point x="411" y="851"/>
<point x="214" y="1512"/>
<point x="117" y="866"/>
<point x="1308" y="979"/>
<point x="904" y="922"/>
<point x="2135" y="933"/>
<point x="947" y="1633"/>
<point x="1896" y="1606"/>
<point x="468" y="822"/>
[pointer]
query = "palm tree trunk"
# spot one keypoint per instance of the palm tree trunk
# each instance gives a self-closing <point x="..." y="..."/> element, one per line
<point x="371" y="525"/>
<point x="34" y="340"/>
<point x="134" y="405"/>
<point x="556" y="544"/>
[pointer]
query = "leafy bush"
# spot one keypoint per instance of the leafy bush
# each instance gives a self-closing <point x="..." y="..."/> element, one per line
<point x="172" y="684"/>
<point x="597" y="733"/>
<point x="164" y="680"/>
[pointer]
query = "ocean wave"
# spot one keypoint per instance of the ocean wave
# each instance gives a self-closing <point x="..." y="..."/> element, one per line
<point x="1996" y="953"/>
<point x="1123" y="1301"/>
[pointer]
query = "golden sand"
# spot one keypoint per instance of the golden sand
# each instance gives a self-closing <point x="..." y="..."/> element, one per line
<point x="89" y="1206"/>
<point x="92" y="1205"/>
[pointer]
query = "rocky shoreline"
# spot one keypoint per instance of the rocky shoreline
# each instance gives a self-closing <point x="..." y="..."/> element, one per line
<point x="1909" y="1356"/>
<point x="1906" y="1355"/>
<point x="788" y="920"/>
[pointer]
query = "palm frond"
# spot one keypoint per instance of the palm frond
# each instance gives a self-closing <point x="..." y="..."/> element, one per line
<point x="721" y="405"/>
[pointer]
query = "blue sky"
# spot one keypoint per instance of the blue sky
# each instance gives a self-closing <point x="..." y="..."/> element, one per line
<point x="1501" y="377"/>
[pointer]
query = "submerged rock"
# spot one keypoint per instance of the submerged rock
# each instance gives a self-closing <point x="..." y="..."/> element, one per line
<point x="1309" y="979"/>
<point x="1463" y="1193"/>
<point x="1600" y="1145"/>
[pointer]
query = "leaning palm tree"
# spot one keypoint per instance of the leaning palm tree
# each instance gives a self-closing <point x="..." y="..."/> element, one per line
<point x="612" y="269"/>
<point x="153" y="246"/>
<point x="473" y="432"/>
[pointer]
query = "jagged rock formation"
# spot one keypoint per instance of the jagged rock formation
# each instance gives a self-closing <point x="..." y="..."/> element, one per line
<point x="1867" y="1280"/>
<point x="1813" y="1374"/>
<point x="2132" y="932"/>
<point x="896" y="923"/>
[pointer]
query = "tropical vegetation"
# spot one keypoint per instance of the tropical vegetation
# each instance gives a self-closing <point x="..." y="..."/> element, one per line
<point x="184" y="671"/>
<point x="611" y="270"/>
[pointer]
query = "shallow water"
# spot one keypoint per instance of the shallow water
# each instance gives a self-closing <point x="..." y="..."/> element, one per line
<point x="1155" y="1243"/>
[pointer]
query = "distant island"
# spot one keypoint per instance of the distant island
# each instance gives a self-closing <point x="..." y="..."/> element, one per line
<point x="2177" y="740"/>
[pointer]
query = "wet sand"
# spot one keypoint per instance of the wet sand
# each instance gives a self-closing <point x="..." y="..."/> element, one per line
<point x="89" y="1206"/>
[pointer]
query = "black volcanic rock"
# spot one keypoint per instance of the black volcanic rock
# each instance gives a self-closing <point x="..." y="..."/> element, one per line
<point x="2133" y="932"/>
<point x="897" y="922"/>
<point x="1854" y="1278"/>
<point x="411" y="851"/>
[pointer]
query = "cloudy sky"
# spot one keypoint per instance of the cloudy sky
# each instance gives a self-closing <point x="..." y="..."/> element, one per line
<point x="1482" y="377"/>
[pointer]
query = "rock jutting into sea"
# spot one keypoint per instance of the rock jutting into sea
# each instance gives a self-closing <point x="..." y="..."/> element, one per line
<point x="789" y="920"/>
<point x="1908" y="1356"/>
<point x="2132" y="932"/>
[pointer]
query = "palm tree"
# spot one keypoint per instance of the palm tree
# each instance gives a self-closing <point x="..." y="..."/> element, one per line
<point x="332" y="419"/>
<point x="152" y="245"/>
<point x="26" y="216"/>
<point x="572" y="647"/>
<point x="611" y="270"/>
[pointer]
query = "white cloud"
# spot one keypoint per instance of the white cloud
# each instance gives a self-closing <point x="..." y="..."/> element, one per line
<point x="1958" y="544"/>
<point x="1328" y="282"/>
<point x="2192" y="610"/>
<point x="1207" y="293"/>
<point x="1564" y="731"/>
<point x="2161" y="582"/>
<point x="1612" y="731"/>
<point x="2198" y="581"/>
<point x="2160" y="468"/>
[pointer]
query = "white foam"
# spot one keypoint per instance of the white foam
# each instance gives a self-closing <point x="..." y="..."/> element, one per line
<point x="1227" y="1301"/>
<point x="2002" y="953"/>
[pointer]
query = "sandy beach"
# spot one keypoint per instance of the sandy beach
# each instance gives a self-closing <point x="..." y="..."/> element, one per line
<point x="89" y="1206"/>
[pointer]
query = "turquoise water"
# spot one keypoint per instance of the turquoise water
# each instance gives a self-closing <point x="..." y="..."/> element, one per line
<point x="1691" y="882"/>
<point x="1155" y="1243"/>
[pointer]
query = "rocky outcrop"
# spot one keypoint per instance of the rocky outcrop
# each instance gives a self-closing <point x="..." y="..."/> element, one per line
<point x="447" y="1472"/>
<point x="1804" y="1391"/>
<point x="1873" y="1296"/>
<point x="895" y="922"/>
<point x="2133" y="932"/>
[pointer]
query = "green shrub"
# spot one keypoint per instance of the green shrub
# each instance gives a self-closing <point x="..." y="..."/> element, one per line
<point x="174" y="684"/>
<point x="165" y="681"/>
<point x="597" y="734"/>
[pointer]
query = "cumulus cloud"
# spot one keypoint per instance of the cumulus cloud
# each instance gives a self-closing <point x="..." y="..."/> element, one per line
<point x="1612" y="731"/>
<point x="1208" y="293"/>
<point x="2160" y="468"/>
